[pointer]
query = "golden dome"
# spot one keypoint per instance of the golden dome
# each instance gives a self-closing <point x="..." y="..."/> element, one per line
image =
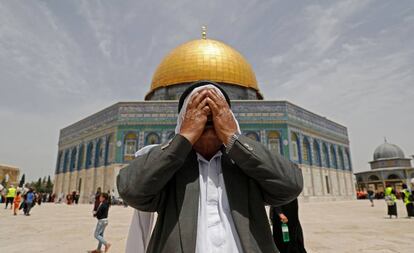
<point x="204" y="59"/>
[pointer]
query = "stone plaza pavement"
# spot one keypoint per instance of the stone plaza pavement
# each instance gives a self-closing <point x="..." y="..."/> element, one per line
<point x="329" y="227"/>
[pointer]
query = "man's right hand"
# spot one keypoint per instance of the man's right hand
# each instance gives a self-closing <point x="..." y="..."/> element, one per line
<point x="195" y="117"/>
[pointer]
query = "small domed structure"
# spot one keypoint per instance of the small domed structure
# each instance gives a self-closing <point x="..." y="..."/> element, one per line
<point x="389" y="155"/>
<point x="390" y="166"/>
<point x="387" y="151"/>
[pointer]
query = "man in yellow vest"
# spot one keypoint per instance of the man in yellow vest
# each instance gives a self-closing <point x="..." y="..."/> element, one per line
<point x="407" y="197"/>
<point x="390" y="198"/>
<point x="11" y="193"/>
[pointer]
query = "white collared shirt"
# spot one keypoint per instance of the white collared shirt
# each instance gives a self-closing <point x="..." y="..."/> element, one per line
<point x="216" y="232"/>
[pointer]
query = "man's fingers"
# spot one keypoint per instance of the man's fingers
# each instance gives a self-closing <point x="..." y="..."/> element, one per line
<point x="214" y="107"/>
<point x="217" y="98"/>
<point x="197" y="98"/>
<point x="206" y="110"/>
<point x="202" y="104"/>
<point x="190" y="103"/>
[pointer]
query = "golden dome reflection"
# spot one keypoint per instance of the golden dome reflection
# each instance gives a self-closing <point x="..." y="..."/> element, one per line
<point x="204" y="59"/>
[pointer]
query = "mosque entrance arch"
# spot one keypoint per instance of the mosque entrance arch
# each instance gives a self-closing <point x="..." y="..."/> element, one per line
<point x="393" y="177"/>
<point x="395" y="181"/>
<point x="373" y="178"/>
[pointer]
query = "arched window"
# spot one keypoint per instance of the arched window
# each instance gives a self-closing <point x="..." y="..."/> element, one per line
<point x="306" y="151"/>
<point x="274" y="142"/>
<point x="341" y="159"/>
<point x="373" y="178"/>
<point x="317" y="154"/>
<point x="130" y="146"/>
<point x="98" y="153"/>
<point x="81" y="157"/>
<point x="333" y="157"/>
<point x="325" y="152"/>
<point x="152" y="138"/>
<point x="393" y="177"/>
<point x="295" y="147"/>
<point x="58" y="162"/>
<point x="108" y="146"/>
<point x="66" y="161"/>
<point x="253" y="135"/>
<point x="73" y="160"/>
<point x="359" y="179"/>
<point x="89" y="151"/>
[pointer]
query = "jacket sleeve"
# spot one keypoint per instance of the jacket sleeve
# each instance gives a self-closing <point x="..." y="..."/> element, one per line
<point x="280" y="179"/>
<point x="141" y="184"/>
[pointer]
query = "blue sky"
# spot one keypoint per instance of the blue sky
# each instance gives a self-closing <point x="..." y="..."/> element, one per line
<point x="60" y="61"/>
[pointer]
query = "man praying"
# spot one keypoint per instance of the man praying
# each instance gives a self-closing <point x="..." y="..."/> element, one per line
<point x="209" y="184"/>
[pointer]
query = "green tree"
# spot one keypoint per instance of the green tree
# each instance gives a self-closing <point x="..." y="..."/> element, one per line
<point x="38" y="185"/>
<point x="49" y="185"/>
<point x="22" y="180"/>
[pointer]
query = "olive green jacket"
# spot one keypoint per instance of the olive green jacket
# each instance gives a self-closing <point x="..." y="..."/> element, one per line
<point x="166" y="180"/>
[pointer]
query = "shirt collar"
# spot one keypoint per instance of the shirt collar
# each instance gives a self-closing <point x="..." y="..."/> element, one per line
<point x="200" y="158"/>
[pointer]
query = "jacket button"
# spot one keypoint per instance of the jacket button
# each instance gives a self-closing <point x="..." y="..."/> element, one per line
<point x="248" y="147"/>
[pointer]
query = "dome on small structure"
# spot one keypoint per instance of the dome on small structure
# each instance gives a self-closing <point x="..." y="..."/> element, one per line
<point x="387" y="151"/>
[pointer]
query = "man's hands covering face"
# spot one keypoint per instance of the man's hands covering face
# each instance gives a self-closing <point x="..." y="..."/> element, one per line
<point x="202" y="104"/>
<point x="195" y="117"/>
<point x="223" y="120"/>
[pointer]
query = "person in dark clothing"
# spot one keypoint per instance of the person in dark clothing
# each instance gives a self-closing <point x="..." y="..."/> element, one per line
<point x="76" y="197"/>
<point x="407" y="197"/>
<point x="39" y="198"/>
<point x="102" y="215"/>
<point x="390" y="199"/>
<point x="97" y="202"/>
<point x="371" y="195"/>
<point x="29" y="202"/>
<point x="288" y="214"/>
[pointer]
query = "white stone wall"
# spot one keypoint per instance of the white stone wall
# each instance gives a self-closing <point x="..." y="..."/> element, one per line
<point x="341" y="183"/>
<point x="91" y="179"/>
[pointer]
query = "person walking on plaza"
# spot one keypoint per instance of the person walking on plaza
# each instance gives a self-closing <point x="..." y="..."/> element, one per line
<point x="1" y="193"/>
<point x="75" y="197"/>
<point x="102" y="216"/>
<point x="407" y="197"/>
<point x="29" y="202"/>
<point x="390" y="198"/>
<point x="371" y="195"/>
<point x="16" y="203"/>
<point x="287" y="214"/>
<point x="69" y="199"/>
<point x="11" y="193"/>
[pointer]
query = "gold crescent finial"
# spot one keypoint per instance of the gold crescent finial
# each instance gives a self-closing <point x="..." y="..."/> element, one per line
<point x="204" y="32"/>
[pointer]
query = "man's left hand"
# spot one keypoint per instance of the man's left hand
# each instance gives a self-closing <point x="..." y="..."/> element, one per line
<point x="224" y="122"/>
<point x="283" y="218"/>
